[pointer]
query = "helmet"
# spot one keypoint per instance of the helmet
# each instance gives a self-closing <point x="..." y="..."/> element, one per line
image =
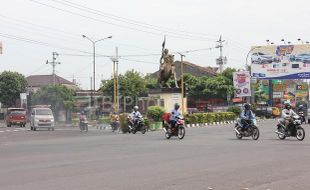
<point x="136" y="108"/>
<point x="247" y="106"/>
<point x="287" y="106"/>
<point x="176" y="106"/>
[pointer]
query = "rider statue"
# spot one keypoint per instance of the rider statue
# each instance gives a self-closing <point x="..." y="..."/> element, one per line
<point x="167" y="69"/>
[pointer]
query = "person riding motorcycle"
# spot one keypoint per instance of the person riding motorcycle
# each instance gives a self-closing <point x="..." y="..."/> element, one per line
<point x="246" y="116"/>
<point x="286" y="115"/>
<point x="174" y="114"/>
<point x="135" y="115"/>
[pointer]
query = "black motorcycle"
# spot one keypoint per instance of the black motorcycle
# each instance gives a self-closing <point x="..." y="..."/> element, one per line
<point x="294" y="129"/>
<point x="136" y="125"/>
<point x="177" y="130"/>
<point x="250" y="131"/>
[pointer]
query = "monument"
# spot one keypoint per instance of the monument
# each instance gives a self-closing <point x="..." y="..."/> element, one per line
<point x="167" y="72"/>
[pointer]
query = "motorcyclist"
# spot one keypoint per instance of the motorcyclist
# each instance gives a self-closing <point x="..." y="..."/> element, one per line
<point x="246" y="116"/>
<point x="286" y="115"/>
<point x="135" y="115"/>
<point x="174" y="114"/>
<point x="114" y="119"/>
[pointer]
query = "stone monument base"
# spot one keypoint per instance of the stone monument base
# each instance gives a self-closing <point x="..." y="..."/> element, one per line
<point x="169" y="96"/>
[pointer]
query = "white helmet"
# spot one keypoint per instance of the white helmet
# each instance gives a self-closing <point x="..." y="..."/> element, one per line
<point x="136" y="108"/>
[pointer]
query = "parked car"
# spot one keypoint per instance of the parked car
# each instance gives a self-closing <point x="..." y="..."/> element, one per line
<point x="304" y="58"/>
<point x="42" y="118"/>
<point x="16" y="116"/>
<point x="261" y="58"/>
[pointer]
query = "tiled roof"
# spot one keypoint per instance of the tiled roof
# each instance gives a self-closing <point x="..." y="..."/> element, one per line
<point x="44" y="80"/>
<point x="192" y="69"/>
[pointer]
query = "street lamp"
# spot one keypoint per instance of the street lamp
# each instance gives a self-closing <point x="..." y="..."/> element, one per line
<point x="94" y="56"/>
<point x="247" y="57"/>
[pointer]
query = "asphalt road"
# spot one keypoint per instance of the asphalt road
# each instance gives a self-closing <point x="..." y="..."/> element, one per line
<point x="207" y="158"/>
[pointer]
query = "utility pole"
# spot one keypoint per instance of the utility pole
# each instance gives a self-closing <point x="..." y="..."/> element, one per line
<point x="221" y="60"/>
<point x="182" y="82"/>
<point x="54" y="63"/>
<point x="115" y="81"/>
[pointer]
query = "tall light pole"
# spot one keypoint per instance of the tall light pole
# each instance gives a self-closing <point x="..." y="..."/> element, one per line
<point x="247" y="57"/>
<point x="94" y="56"/>
<point x="182" y="82"/>
<point x="252" y="99"/>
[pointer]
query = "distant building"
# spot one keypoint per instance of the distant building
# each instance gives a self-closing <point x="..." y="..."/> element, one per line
<point x="35" y="82"/>
<point x="193" y="69"/>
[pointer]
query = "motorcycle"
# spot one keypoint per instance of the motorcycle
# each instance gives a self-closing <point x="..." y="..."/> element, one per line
<point x="83" y="123"/>
<point x="137" y="125"/>
<point x="177" y="130"/>
<point x="302" y="117"/>
<point x="294" y="129"/>
<point x="250" y="131"/>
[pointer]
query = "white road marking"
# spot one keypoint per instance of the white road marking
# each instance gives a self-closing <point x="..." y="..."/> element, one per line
<point x="2" y="131"/>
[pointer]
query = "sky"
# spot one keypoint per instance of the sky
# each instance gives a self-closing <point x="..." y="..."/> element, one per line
<point x="30" y="30"/>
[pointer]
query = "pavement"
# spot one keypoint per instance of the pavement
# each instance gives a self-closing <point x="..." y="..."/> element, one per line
<point x="207" y="158"/>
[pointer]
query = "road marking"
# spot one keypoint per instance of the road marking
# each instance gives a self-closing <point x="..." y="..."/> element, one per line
<point x="16" y="130"/>
<point x="2" y="131"/>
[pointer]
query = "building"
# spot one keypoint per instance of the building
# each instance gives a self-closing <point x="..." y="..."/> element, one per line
<point x="35" y="82"/>
<point x="193" y="69"/>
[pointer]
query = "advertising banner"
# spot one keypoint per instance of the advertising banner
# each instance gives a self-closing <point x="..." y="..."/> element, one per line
<point x="281" y="62"/>
<point x="242" y="84"/>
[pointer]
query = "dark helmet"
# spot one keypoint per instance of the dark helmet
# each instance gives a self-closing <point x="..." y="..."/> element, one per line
<point x="247" y="106"/>
<point x="287" y="106"/>
<point x="176" y="106"/>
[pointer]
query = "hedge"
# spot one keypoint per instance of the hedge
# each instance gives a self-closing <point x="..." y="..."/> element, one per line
<point x="210" y="117"/>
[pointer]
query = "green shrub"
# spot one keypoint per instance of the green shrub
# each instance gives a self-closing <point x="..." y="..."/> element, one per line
<point x="235" y="109"/>
<point x="155" y="113"/>
<point x="209" y="117"/>
<point x="103" y="120"/>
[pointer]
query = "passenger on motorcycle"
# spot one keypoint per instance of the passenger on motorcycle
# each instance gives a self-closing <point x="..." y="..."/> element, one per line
<point x="246" y="116"/>
<point x="174" y="114"/>
<point x="135" y="115"/>
<point x="287" y="114"/>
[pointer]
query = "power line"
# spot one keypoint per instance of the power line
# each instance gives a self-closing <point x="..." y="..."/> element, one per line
<point x="127" y="21"/>
<point x="27" y="40"/>
<point x="110" y="23"/>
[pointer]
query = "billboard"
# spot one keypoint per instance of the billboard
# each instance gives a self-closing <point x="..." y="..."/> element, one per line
<point x="281" y="62"/>
<point x="242" y="84"/>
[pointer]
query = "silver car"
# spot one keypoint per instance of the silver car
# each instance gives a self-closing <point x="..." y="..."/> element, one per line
<point x="261" y="58"/>
<point x="42" y="118"/>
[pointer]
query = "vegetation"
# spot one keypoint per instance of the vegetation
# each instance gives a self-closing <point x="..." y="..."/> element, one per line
<point x="210" y="117"/>
<point x="59" y="97"/>
<point x="155" y="113"/>
<point x="11" y="85"/>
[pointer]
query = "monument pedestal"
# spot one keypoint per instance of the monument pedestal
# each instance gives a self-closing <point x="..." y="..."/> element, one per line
<point x="169" y="96"/>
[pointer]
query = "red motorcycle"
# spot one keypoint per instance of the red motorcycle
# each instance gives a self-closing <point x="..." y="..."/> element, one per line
<point x="177" y="130"/>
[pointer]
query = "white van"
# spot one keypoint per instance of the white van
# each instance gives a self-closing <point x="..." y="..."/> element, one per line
<point x="42" y="118"/>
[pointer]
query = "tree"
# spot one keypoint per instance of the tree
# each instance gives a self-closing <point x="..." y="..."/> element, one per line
<point x="131" y="84"/>
<point x="59" y="97"/>
<point x="11" y="85"/>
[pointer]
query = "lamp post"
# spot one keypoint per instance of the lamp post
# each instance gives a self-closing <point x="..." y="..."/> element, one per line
<point x="182" y="82"/>
<point x="94" y="56"/>
<point x="252" y="99"/>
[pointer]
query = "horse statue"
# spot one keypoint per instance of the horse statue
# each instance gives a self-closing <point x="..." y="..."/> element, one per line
<point x="167" y="70"/>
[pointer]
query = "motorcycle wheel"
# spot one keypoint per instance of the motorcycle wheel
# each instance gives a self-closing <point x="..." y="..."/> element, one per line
<point x="239" y="136"/>
<point x="281" y="137"/>
<point x="181" y="132"/>
<point x="167" y="135"/>
<point x="133" y="131"/>
<point x="300" y="134"/>
<point x="143" y="130"/>
<point x="255" y="133"/>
